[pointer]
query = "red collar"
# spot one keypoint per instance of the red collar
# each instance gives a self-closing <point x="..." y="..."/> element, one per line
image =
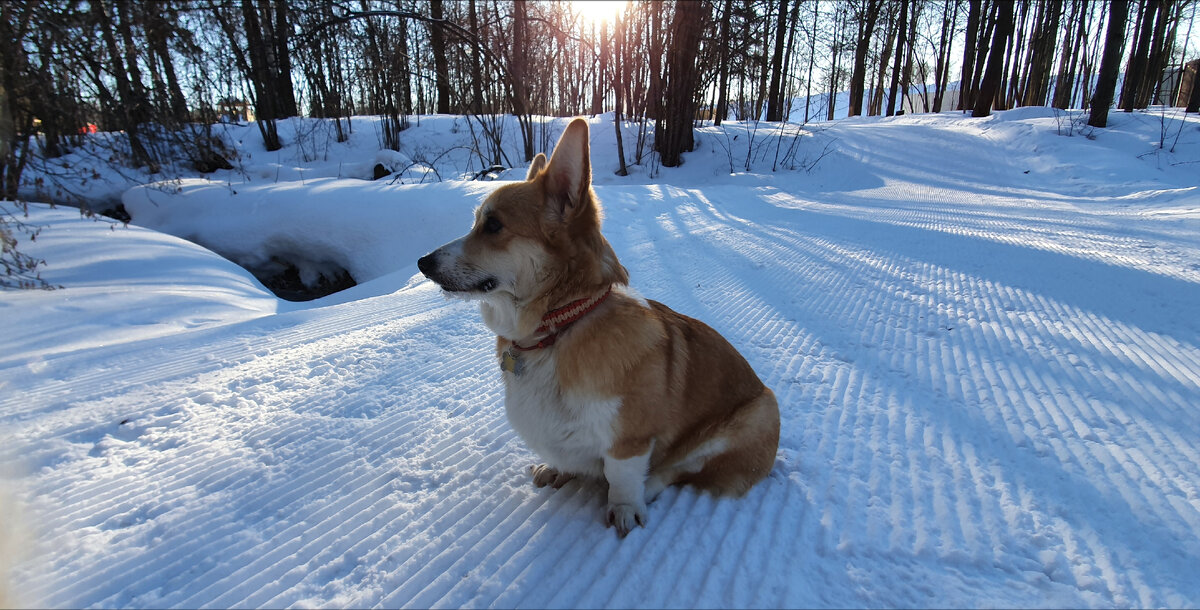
<point x="556" y="321"/>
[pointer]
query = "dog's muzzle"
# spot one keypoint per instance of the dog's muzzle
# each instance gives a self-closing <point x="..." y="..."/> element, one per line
<point x="454" y="282"/>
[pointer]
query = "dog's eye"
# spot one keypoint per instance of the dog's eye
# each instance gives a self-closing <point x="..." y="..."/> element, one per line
<point x="492" y="225"/>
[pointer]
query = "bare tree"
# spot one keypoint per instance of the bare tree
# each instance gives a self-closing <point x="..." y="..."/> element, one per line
<point x="945" y="42"/>
<point x="19" y="96"/>
<point x="1136" y="68"/>
<point x="866" y="18"/>
<point x="679" y="108"/>
<point x="1165" y="24"/>
<point x="437" y="38"/>
<point x="966" y="92"/>
<point x="774" y="97"/>
<point x="1073" y="39"/>
<point x="1042" y="49"/>
<point x="990" y="86"/>
<point x="130" y="102"/>
<point x="1114" y="45"/>
<point x="902" y="30"/>
<point x="619" y="77"/>
<point x="520" y="93"/>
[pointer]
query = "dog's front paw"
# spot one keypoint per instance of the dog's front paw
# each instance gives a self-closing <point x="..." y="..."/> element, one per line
<point x="625" y="516"/>
<point x="544" y="475"/>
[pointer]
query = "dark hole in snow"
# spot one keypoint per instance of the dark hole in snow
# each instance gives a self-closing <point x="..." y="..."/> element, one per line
<point x="109" y="207"/>
<point x="381" y="171"/>
<point x="117" y="212"/>
<point x="210" y="161"/>
<point x="290" y="283"/>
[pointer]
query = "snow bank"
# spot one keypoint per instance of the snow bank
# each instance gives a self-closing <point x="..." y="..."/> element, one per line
<point x="369" y="228"/>
<point x="119" y="285"/>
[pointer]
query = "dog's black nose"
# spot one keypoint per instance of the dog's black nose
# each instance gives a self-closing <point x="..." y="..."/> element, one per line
<point x="427" y="263"/>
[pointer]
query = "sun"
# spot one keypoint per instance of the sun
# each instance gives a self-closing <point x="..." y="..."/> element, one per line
<point x="598" y="10"/>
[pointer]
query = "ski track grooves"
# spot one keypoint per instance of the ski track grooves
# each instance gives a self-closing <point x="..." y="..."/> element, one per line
<point x="938" y="417"/>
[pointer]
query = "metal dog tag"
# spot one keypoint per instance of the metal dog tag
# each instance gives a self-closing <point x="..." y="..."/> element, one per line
<point x="512" y="363"/>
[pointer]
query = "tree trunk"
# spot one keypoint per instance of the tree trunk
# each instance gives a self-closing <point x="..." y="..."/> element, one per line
<point x="785" y="100"/>
<point x="858" y="76"/>
<point x="1089" y="62"/>
<point x="1012" y="59"/>
<point x="140" y="102"/>
<point x="1135" y="73"/>
<point x="914" y="13"/>
<point x="281" y="33"/>
<point x="774" y="111"/>
<point x="654" y="106"/>
<point x="986" y="28"/>
<point x="682" y="78"/>
<point x="1081" y="62"/>
<point x="265" y="108"/>
<point x="601" y="73"/>
<point x="901" y="31"/>
<point x="158" y="32"/>
<point x="405" y="83"/>
<point x="966" y="96"/>
<point x="127" y="98"/>
<point x="764" y="71"/>
<point x="517" y="66"/>
<point x="990" y="85"/>
<point x="1135" y="31"/>
<point x="1110" y="63"/>
<point x="891" y="36"/>
<point x="16" y="122"/>
<point x="441" y="75"/>
<point x="377" y="79"/>
<point x="1064" y="86"/>
<point x="1154" y="63"/>
<point x="722" y="109"/>
<point x="619" y="69"/>
<point x="835" y="71"/>
<point x="477" y="60"/>
<point x="1038" y="87"/>
<point x="812" y="58"/>
<point x="942" y="65"/>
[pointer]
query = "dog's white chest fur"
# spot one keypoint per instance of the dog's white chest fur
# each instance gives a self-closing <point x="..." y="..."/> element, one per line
<point x="572" y="433"/>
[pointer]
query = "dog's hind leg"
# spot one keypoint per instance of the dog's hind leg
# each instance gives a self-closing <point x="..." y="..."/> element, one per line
<point x="747" y="450"/>
<point x="655" y="484"/>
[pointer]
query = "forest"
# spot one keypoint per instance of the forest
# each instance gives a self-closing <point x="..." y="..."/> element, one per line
<point x="163" y="71"/>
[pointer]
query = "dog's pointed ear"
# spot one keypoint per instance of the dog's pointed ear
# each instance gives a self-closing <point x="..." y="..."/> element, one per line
<point x="569" y="173"/>
<point x="538" y="164"/>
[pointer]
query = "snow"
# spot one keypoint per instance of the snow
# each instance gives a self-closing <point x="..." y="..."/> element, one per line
<point x="982" y="334"/>
<point x="120" y="285"/>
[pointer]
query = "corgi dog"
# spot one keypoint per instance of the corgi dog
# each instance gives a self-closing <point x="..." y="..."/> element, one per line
<point x="599" y="382"/>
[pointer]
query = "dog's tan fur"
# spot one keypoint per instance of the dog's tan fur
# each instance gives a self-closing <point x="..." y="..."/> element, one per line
<point x="653" y="397"/>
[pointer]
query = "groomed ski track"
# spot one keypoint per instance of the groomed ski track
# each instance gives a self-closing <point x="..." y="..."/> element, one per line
<point x="989" y="397"/>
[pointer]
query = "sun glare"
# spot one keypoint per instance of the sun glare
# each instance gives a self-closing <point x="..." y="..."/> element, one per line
<point x="598" y="10"/>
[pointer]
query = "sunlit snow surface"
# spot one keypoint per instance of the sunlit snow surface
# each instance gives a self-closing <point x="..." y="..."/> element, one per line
<point x="984" y="337"/>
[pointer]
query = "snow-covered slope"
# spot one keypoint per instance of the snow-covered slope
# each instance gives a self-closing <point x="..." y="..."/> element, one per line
<point x="983" y="337"/>
<point x="120" y="284"/>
